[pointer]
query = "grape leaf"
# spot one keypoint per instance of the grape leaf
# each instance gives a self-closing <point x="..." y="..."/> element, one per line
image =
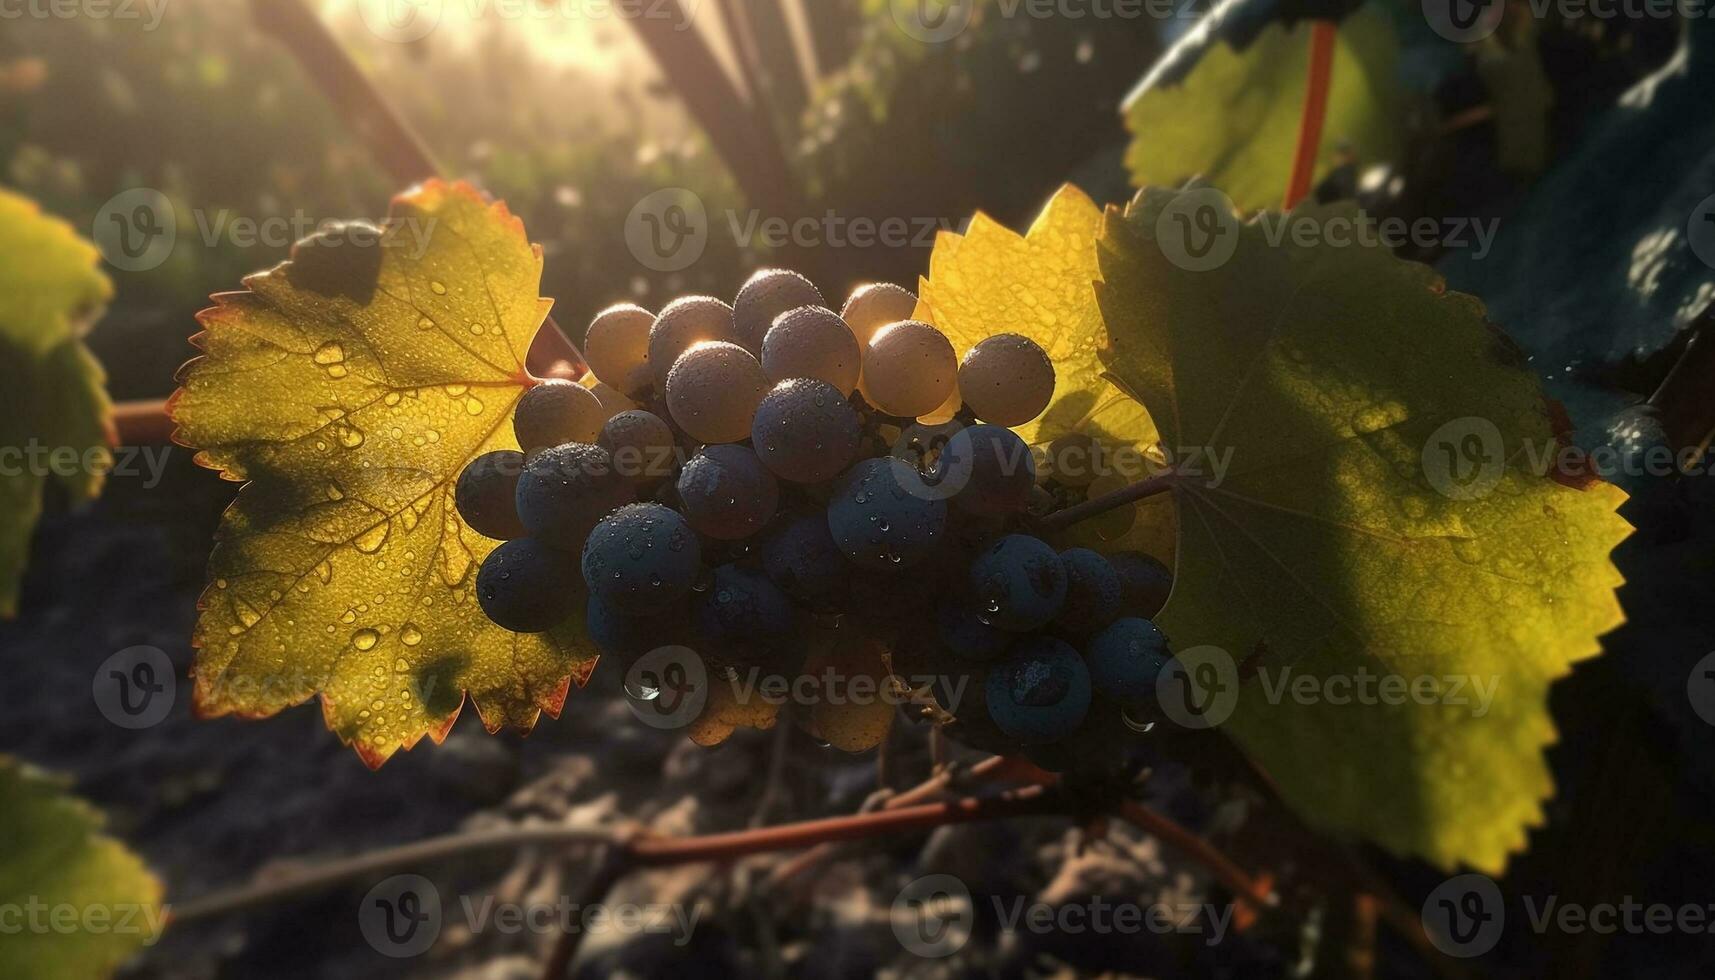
<point x="350" y="386"/>
<point x="1583" y="276"/>
<point x="733" y="704"/>
<point x="1328" y="371"/>
<point x="56" y="419"/>
<point x="1047" y="273"/>
<point x="1232" y="119"/>
<point x="86" y="902"/>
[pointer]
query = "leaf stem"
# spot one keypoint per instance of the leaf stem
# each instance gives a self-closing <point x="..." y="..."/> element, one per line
<point x="1322" y="35"/>
<point x="142" y="423"/>
<point x="1097" y="506"/>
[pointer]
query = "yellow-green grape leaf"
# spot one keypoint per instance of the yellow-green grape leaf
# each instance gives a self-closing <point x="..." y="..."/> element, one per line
<point x="1233" y="120"/>
<point x="55" y="417"/>
<point x="992" y="280"/>
<point x="350" y="387"/>
<point x="81" y="902"/>
<point x="1345" y="542"/>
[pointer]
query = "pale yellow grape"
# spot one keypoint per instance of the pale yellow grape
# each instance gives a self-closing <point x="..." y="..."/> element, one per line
<point x="909" y="369"/>
<point x="683" y="322"/>
<point x="812" y="342"/>
<point x="617" y="348"/>
<point x="713" y="391"/>
<point x="769" y="293"/>
<point x="875" y="306"/>
<point x="1007" y="379"/>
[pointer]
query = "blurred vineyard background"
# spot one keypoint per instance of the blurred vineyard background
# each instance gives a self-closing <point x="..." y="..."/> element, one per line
<point x="564" y="117"/>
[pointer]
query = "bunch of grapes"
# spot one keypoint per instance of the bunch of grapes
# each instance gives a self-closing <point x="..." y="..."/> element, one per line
<point x="740" y="476"/>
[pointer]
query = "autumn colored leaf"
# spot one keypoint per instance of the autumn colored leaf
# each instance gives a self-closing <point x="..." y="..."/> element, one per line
<point x="350" y="387"/>
<point x="56" y="418"/>
<point x="1381" y="516"/>
<point x="60" y="867"/>
<point x="733" y="703"/>
<point x="1231" y="119"/>
<point x="992" y="280"/>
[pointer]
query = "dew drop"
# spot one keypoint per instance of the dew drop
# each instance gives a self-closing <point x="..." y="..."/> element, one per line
<point x="365" y="639"/>
<point x="370" y="541"/>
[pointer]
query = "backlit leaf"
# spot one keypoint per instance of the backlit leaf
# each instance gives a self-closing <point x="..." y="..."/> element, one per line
<point x="992" y="280"/>
<point x="54" y="411"/>
<point x="81" y="903"/>
<point x="1233" y="119"/>
<point x="1335" y="376"/>
<point x="350" y="387"/>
